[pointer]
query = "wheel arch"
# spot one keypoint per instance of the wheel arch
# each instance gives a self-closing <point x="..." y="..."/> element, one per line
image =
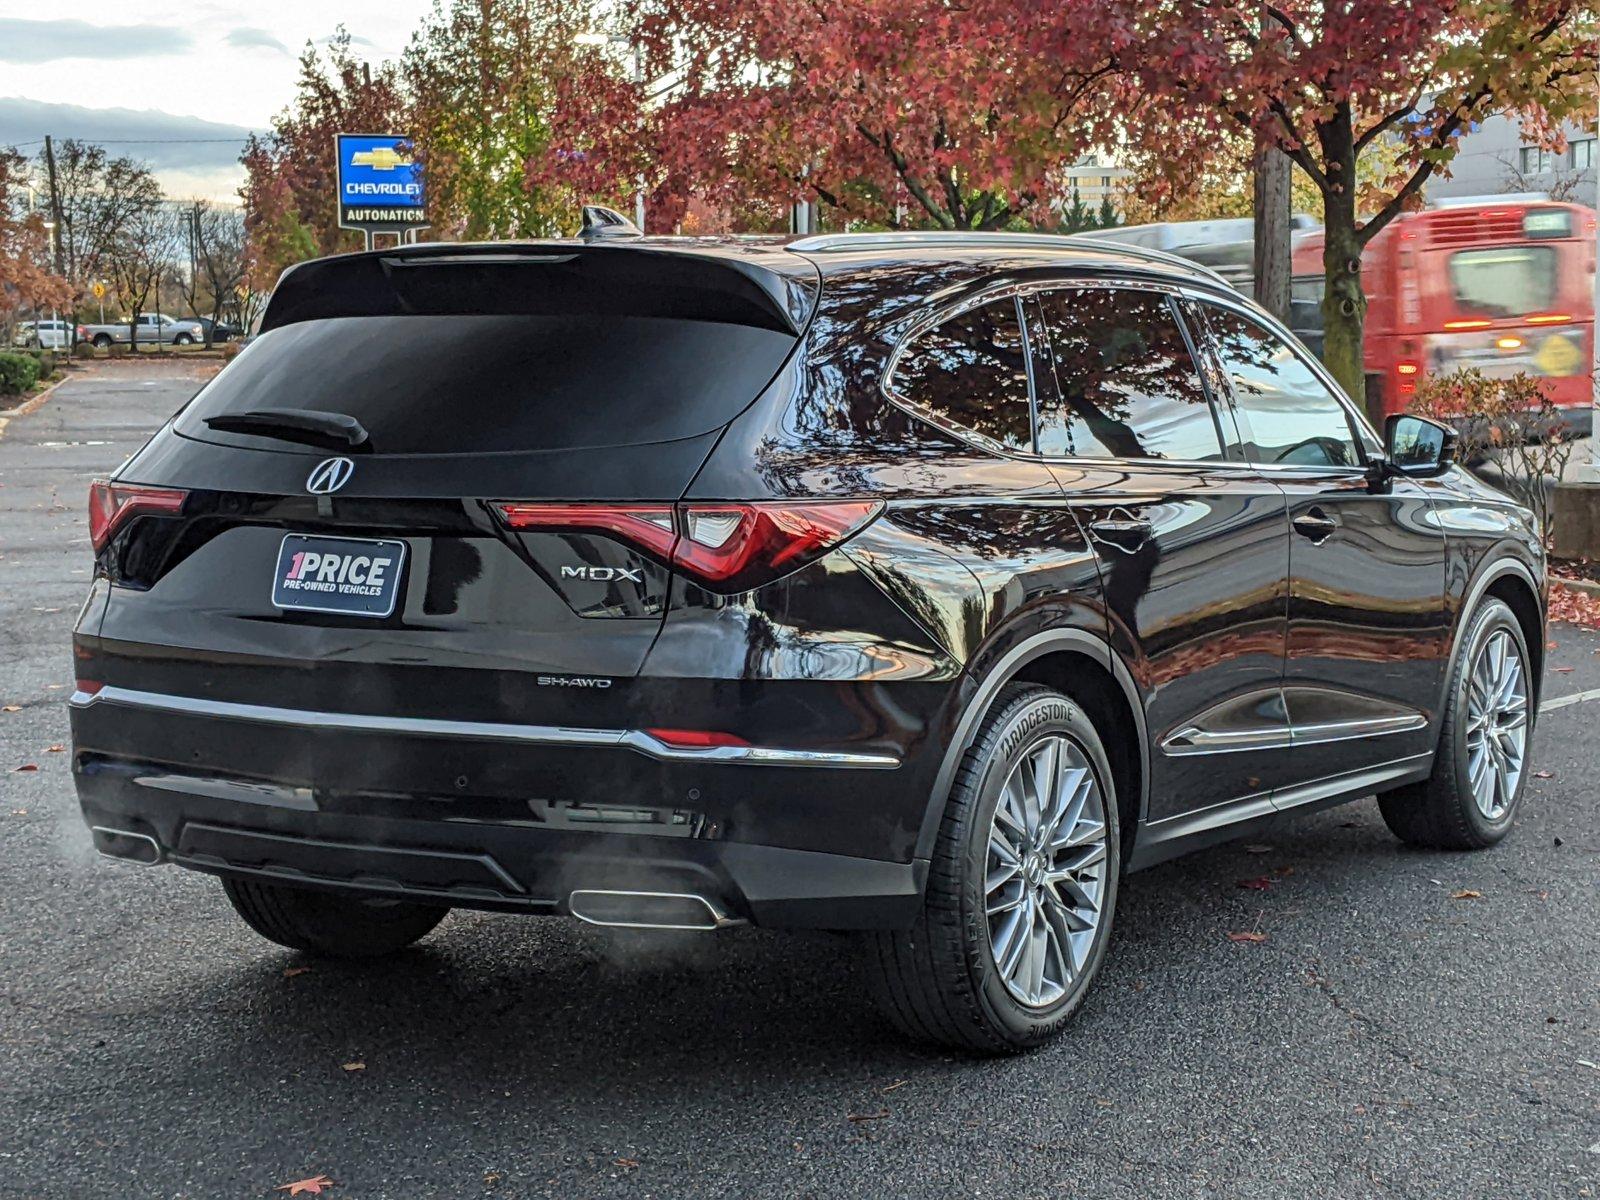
<point x="1510" y="581"/>
<point x="1088" y="671"/>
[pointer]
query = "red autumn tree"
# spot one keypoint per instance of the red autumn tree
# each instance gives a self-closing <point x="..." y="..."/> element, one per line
<point x="26" y="281"/>
<point x="1335" y="84"/>
<point x="900" y="112"/>
<point x="289" y="194"/>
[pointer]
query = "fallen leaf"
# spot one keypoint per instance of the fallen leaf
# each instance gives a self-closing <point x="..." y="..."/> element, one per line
<point x="1544" y="774"/>
<point x="306" y="1187"/>
<point x="1561" y="670"/>
<point x="1466" y="894"/>
<point x="11" y="708"/>
<point x="1253" y="935"/>
<point x="291" y="972"/>
<point x="877" y="1116"/>
<point x="1542" y="893"/>
<point x="490" y="1178"/>
<point x="898" y="1083"/>
<point x="1283" y="871"/>
<point x="25" y="767"/>
<point x="56" y="749"/>
<point x="355" y="1066"/>
<point x="627" y="1163"/>
<point x="1258" y="849"/>
<point x="1259" y="884"/>
<point x="19" y="812"/>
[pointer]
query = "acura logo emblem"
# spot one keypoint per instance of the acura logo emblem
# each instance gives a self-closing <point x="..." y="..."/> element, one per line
<point x="329" y="475"/>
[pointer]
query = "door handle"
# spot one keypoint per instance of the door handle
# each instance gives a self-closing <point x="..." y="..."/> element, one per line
<point x="1316" y="525"/>
<point x="1125" y="533"/>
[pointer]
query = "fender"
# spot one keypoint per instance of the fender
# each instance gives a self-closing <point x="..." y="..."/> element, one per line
<point x="1498" y="568"/>
<point x="1050" y="641"/>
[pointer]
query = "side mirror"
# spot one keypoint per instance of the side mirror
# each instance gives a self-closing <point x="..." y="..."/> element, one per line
<point x="1417" y="446"/>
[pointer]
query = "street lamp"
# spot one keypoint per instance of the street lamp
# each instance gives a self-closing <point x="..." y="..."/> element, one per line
<point x="617" y="39"/>
<point x="55" y="317"/>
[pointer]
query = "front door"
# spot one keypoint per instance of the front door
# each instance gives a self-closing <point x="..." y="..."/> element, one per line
<point x="1192" y="544"/>
<point x="1368" y="624"/>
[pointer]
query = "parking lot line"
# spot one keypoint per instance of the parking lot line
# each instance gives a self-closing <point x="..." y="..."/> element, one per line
<point x="1575" y="698"/>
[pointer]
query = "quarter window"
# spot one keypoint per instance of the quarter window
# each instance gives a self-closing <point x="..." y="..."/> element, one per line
<point x="1288" y="415"/>
<point x="972" y="370"/>
<point x="1125" y="382"/>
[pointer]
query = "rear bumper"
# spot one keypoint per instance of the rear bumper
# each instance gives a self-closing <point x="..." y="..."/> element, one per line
<point x="495" y="816"/>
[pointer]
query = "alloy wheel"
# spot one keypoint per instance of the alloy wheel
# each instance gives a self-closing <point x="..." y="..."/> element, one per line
<point x="1497" y="725"/>
<point x="1045" y="875"/>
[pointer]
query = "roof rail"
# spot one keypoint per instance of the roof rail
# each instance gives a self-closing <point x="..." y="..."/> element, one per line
<point x="933" y="238"/>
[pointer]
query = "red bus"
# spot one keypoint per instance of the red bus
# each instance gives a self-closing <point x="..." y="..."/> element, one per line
<point x="1504" y="284"/>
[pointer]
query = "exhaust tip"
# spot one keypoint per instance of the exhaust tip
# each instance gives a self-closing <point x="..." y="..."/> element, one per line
<point x="127" y="845"/>
<point x="647" y="910"/>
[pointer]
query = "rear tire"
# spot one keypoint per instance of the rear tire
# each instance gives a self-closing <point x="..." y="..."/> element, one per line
<point x="102" y="340"/>
<point x="1480" y="771"/>
<point x="1045" y="874"/>
<point x="329" y="924"/>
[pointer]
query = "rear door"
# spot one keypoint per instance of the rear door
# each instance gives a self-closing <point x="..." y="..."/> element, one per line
<point x="1368" y="626"/>
<point x="1192" y="542"/>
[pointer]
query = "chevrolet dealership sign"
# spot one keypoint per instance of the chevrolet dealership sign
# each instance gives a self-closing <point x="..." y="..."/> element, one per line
<point x="380" y="183"/>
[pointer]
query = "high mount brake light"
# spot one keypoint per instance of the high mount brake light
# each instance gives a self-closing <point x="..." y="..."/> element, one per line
<point x="113" y="505"/>
<point x="725" y="547"/>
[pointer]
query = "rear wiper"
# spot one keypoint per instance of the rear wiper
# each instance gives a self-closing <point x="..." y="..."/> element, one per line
<point x="307" y="425"/>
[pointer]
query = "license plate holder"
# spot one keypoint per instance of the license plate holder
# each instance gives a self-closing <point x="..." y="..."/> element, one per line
<point x="352" y="577"/>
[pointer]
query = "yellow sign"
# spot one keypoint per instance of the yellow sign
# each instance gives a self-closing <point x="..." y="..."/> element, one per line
<point x="1558" y="356"/>
<point x="99" y="290"/>
<point x="383" y="158"/>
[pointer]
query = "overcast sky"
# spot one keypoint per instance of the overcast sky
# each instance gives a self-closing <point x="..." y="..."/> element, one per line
<point x="182" y="87"/>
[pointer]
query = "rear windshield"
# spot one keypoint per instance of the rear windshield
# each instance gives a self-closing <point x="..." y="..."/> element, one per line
<point x="484" y="383"/>
<point x="1504" y="281"/>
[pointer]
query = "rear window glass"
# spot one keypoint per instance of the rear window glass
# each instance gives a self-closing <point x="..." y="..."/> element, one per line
<point x="484" y="383"/>
<point x="1504" y="281"/>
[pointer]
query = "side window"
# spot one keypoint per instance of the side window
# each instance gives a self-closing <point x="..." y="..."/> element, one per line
<point x="1287" y="413"/>
<point x="1126" y="384"/>
<point x="972" y="370"/>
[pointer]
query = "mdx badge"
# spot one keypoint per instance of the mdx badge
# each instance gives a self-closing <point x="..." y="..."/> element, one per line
<point x="604" y="574"/>
<point x="329" y="475"/>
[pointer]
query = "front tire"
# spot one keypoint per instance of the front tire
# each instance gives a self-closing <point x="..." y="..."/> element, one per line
<point x="1481" y="769"/>
<point x="1021" y="889"/>
<point x="183" y="339"/>
<point x="329" y="924"/>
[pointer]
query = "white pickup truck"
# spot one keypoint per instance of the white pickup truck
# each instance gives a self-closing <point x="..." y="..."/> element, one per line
<point x="153" y="328"/>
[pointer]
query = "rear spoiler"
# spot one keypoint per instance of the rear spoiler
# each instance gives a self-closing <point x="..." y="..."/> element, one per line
<point x="554" y="278"/>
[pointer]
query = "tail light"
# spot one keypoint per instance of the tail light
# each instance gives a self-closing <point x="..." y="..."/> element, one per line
<point x="113" y="505"/>
<point x="696" y="739"/>
<point x="1408" y="372"/>
<point x="725" y="547"/>
<point x="83" y="333"/>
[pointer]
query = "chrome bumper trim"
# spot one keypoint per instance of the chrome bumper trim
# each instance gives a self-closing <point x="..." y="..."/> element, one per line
<point x="492" y="731"/>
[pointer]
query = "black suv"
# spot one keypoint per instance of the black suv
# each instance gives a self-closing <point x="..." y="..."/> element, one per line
<point x="919" y="585"/>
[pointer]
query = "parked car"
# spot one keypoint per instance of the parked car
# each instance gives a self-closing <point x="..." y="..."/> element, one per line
<point x="221" y="331"/>
<point x="917" y="585"/>
<point x="46" y="335"/>
<point x="153" y="328"/>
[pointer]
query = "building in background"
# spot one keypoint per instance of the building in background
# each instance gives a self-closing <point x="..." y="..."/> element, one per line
<point x="1497" y="157"/>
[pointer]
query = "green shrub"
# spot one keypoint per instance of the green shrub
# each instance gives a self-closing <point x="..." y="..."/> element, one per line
<point x="118" y="350"/>
<point x="83" y="350"/>
<point x="47" y="362"/>
<point x="230" y="350"/>
<point x="18" y="373"/>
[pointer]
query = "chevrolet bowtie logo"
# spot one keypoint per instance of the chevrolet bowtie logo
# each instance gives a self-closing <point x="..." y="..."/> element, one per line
<point x="384" y="158"/>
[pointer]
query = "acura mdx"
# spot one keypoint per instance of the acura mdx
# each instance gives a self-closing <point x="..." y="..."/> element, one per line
<point x="917" y="585"/>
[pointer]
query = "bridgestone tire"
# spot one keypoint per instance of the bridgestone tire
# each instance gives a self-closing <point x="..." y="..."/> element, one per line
<point x="938" y="981"/>
<point x="1440" y="813"/>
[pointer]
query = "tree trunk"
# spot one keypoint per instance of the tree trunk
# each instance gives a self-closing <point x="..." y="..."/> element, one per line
<point x="1344" y="304"/>
<point x="1272" y="249"/>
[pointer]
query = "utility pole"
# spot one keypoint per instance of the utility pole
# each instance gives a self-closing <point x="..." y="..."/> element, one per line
<point x="1273" y="252"/>
<point x="55" y="197"/>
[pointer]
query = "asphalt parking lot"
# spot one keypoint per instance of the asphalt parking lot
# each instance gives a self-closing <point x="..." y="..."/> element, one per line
<point x="1386" y="1039"/>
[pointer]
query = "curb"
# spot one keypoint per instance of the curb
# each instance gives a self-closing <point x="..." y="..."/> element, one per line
<point x="32" y="406"/>
<point x="1585" y="586"/>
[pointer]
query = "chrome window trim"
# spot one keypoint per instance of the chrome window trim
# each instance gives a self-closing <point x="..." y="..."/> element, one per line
<point x="1020" y="288"/>
<point x="636" y="740"/>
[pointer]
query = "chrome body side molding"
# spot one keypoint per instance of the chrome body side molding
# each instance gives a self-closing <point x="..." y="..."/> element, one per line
<point x="637" y="740"/>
